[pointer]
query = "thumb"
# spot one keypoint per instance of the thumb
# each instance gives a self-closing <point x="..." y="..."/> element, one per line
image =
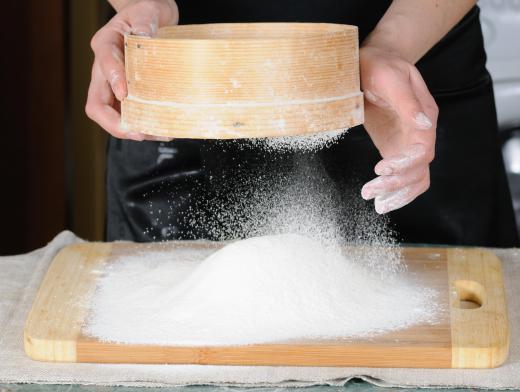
<point x="145" y="17"/>
<point x="145" y="26"/>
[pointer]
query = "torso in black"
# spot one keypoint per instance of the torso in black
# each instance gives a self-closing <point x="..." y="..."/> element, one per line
<point x="468" y="202"/>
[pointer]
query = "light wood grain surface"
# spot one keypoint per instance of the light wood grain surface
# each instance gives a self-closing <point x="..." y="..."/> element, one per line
<point x="479" y="322"/>
<point x="471" y="332"/>
<point x="243" y="80"/>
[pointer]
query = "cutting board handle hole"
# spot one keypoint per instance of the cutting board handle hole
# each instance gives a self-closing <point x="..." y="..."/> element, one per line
<point x="468" y="294"/>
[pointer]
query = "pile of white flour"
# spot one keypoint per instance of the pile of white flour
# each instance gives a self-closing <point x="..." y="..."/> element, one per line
<point x="259" y="290"/>
<point x="288" y="280"/>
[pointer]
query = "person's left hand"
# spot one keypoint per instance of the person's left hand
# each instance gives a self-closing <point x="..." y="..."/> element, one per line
<point x="401" y="119"/>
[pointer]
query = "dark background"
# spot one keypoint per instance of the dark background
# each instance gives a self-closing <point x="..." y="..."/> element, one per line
<point x="52" y="156"/>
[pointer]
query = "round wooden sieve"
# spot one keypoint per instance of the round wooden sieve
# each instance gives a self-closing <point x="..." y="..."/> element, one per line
<point x="243" y="80"/>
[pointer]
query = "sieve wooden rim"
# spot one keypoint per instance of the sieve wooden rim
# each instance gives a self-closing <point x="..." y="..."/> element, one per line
<point x="243" y="80"/>
<point x="252" y="31"/>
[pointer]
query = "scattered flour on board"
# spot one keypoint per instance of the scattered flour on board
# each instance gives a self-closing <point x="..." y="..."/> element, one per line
<point x="259" y="290"/>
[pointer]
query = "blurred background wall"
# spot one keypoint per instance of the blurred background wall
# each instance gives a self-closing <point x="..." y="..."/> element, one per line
<point x="501" y="27"/>
<point x="85" y="163"/>
<point x="52" y="155"/>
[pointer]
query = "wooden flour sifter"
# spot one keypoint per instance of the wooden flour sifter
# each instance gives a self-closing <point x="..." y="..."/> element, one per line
<point x="243" y="80"/>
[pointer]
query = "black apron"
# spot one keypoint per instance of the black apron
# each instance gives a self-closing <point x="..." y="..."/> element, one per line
<point x="151" y="185"/>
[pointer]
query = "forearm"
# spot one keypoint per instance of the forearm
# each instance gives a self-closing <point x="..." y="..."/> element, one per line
<point x="410" y="28"/>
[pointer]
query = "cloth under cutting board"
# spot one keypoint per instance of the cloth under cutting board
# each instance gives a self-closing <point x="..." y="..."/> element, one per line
<point x="20" y="277"/>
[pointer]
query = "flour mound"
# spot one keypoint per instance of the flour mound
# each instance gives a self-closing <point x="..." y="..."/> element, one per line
<point x="259" y="290"/>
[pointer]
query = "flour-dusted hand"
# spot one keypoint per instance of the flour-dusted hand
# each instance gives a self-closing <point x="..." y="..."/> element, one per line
<point x="401" y="115"/>
<point x="401" y="119"/>
<point x="108" y="83"/>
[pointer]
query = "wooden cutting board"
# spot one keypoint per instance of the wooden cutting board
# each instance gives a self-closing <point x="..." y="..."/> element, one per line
<point x="472" y="332"/>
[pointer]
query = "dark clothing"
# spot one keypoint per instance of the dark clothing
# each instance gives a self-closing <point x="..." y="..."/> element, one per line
<point x="151" y="184"/>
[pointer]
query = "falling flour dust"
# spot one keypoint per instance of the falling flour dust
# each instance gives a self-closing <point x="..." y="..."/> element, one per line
<point x="286" y="274"/>
<point x="312" y="142"/>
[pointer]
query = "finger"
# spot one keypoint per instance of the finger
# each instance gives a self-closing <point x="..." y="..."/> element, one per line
<point x="416" y="155"/>
<point x="395" y="88"/>
<point x="107" y="45"/>
<point x="138" y="19"/>
<point x="100" y="108"/>
<point x="400" y="198"/>
<point x="383" y="185"/>
<point x="145" y="25"/>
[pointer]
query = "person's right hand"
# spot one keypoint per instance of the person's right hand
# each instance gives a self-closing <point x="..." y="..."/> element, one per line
<point x="108" y="83"/>
<point x="401" y="119"/>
